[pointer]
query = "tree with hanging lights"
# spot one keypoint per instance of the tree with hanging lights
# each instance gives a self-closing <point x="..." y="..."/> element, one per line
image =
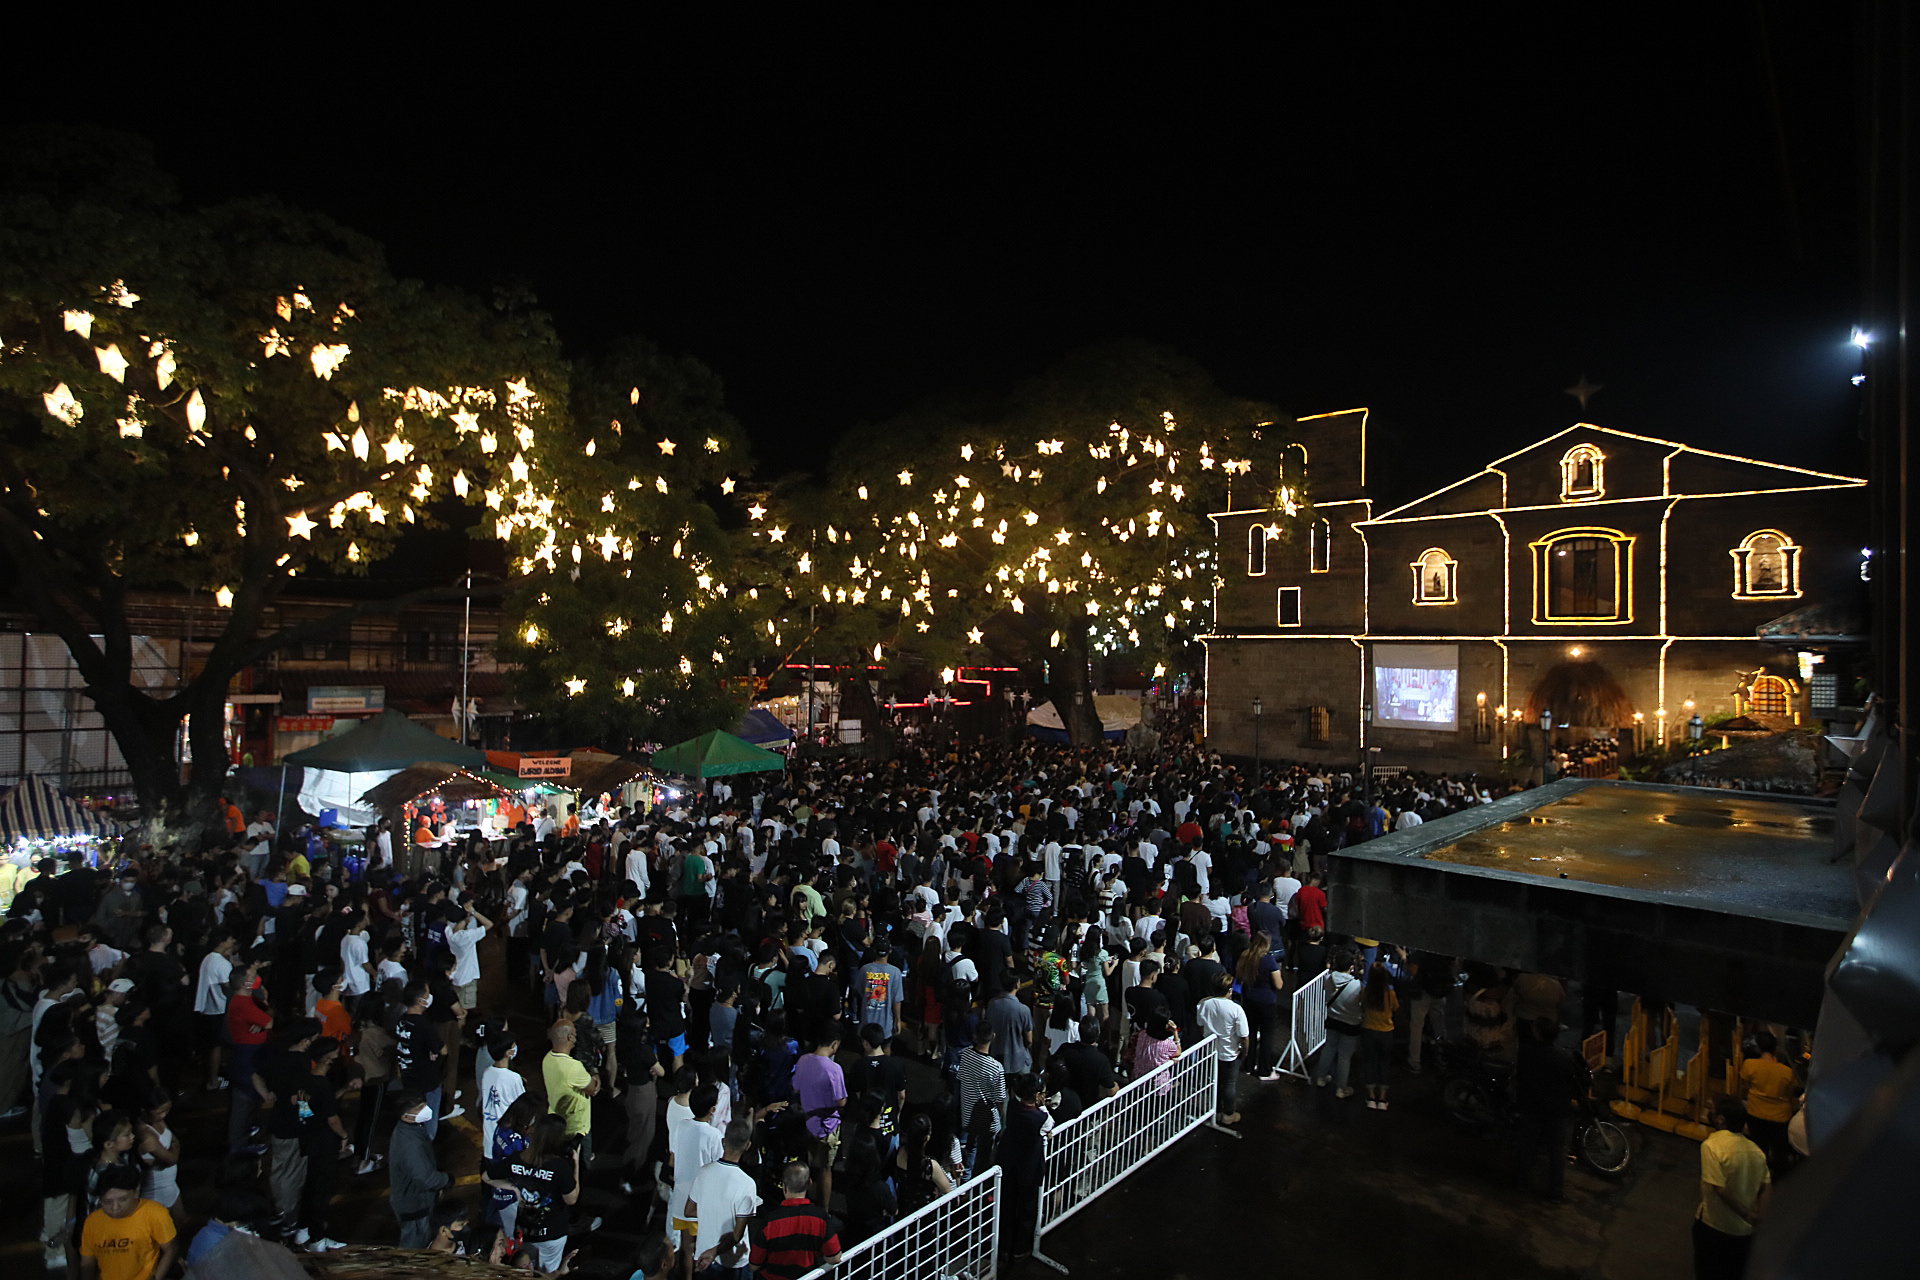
<point x="1076" y="506"/>
<point x="221" y="400"/>
<point x="632" y="607"/>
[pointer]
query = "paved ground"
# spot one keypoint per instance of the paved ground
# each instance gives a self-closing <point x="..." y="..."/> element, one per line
<point x="1317" y="1185"/>
<point x="1322" y="1185"/>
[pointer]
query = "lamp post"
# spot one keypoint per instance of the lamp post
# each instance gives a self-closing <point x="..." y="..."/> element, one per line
<point x="1366" y="754"/>
<point x="1256" y="742"/>
<point x="1546" y="744"/>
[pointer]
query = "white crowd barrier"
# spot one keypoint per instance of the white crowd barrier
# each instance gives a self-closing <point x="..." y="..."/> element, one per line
<point x="1103" y="1144"/>
<point x="957" y="1237"/>
<point x="1306" y="1029"/>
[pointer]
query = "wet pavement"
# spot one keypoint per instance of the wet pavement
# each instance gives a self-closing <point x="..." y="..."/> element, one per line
<point x="1718" y="848"/>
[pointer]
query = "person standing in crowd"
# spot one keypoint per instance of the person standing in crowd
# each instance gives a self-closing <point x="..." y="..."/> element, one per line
<point x="1219" y="1015"/>
<point x="1262" y="980"/>
<point x="414" y="1172"/>
<point x="1734" y="1184"/>
<point x="1549" y="1083"/>
<point x="1769" y="1086"/>
<point x="1345" y="1011"/>
<point x="1379" y="1004"/>
<point x="794" y="1237"/>
<point x="723" y="1202"/>
<point x="126" y="1238"/>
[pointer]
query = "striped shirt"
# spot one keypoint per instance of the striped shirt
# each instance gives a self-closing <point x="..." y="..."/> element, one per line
<point x="982" y="1079"/>
<point x="791" y="1239"/>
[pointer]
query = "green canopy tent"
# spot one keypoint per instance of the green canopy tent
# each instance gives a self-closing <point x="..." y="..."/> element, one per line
<point x="381" y="744"/>
<point x="715" y="755"/>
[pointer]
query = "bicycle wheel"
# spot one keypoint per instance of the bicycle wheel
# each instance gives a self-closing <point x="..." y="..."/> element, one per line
<point x="1603" y="1147"/>
<point x="1464" y="1100"/>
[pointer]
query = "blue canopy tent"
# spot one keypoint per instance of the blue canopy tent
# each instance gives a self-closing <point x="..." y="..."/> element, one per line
<point x="34" y="811"/>
<point x="762" y="728"/>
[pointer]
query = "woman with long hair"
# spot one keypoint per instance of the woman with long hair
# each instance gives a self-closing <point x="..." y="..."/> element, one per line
<point x="1261" y="983"/>
<point x="1379" y="1003"/>
<point x="925" y="1008"/>
<point x="159" y="1148"/>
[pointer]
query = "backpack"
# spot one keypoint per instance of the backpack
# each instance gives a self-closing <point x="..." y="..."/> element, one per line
<point x="954" y="992"/>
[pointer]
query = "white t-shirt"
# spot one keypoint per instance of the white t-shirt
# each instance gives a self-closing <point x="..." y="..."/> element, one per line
<point x="1052" y="855"/>
<point x="353" y="956"/>
<point x="1284" y="887"/>
<point x="464" y="942"/>
<point x="1202" y="864"/>
<point x="499" y="1087"/>
<point x="725" y="1194"/>
<point x="1220" y="1016"/>
<point x="210" y="994"/>
<point x="694" y="1147"/>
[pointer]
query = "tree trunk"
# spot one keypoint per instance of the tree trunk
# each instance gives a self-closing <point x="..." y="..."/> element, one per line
<point x="1072" y="684"/>
<point x="857" y="702"/>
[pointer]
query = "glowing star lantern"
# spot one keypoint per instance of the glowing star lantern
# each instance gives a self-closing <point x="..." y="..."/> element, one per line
<point x="395" y="448"/>
<point x="461" y="484"/>
<point x="532" y="634"/>
<point x="518" y="467"/>
<point x="361" y="445"/>
<point x="112" y="363"/>
<point x="61" y="404"/>
<point x="196" y="412"/>
<point x="667" y="447"/>
<point x="713" y="446"/>
<point x="224" y="597"/>
<point x="726" y="486"/>
<point x="686" y="667"/>
<point x="863" y="493"/>
<point x="1054" y="642"/>
<point x="576" y="687"/>
<point x="80" y="322"/>
<point x="298" y="526"/>
<point x="326" y="357"/>
<point x="976" y="635"/>
<point x="906" y="478"/>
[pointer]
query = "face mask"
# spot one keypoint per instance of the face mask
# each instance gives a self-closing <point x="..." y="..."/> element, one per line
<point x="424" y="1114"/>
<point x="127" y="885"/>
<point x="427" y="1001"/>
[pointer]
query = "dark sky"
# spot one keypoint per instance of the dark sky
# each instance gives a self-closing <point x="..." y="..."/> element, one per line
<point x="1449" y="221"/>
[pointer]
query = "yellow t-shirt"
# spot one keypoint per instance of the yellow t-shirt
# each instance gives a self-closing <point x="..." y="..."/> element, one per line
<point x="127" y="1248"/>
<point x="298" y="866"/>
<point x="1730" y="1160"/>
<point x="567" y="1080"/>
<point x="1381" y="1019"/>
<point x="1769" y="1089"/>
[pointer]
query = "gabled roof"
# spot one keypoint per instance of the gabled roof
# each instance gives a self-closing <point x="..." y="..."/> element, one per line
<point x="1788" y="476"/>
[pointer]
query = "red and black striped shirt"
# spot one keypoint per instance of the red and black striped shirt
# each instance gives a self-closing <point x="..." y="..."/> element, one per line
<point x="791" y="1239"/>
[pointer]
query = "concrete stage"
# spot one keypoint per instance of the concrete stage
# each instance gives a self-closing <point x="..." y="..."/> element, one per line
<point x="1720" y="899"/>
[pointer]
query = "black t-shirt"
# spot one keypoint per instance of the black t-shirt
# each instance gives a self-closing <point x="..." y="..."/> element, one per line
<point x="1144" y="1004"/>
<point x="653" y="933"/>
<point x="1267" y="918"/>
<point x="416" y="1046"/>
<point x="1089" y="1069"/>
<point x="543" y="1189"/>
<point x="993" y="947"/>
<point x="301" y="1108"/>
<point x="156" y="977"/>
<point x="1201" y="975"/>
<point x="666" y="1004"/>
<point x="558" y="946"/>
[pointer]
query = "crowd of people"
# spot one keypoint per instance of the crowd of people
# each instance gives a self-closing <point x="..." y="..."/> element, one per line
<point x="745" y="1029"/>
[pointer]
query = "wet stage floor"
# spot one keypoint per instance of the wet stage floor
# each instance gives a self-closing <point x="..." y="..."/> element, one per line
<point x="1729" y="847"/>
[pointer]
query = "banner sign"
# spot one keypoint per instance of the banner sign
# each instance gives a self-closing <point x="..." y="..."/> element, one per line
<point x="346" y="698"/>
<point x="305" y="724"/>
<point x="546" y="766"/>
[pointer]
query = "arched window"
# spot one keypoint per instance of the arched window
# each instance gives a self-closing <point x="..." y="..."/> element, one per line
<point x="1320" y="550"/>
<point x="1583" y="575"/>
<point x="1771" y="696"/>
<point x="1766" y="566"/>
<point x="1257" y="551"/>
<point x="1433" y="578"/>
<point x="1583" y="474"/>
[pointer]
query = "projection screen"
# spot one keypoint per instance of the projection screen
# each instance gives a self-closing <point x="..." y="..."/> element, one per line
<point x="1416" y="686"/>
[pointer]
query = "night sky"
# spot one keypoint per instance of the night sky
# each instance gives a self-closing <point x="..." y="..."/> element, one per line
<point x="1449" y="221"/>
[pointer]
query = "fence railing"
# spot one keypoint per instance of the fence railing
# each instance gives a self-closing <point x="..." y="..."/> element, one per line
<point x="1307" y="1029"/>
<point x="1103" y="1144"/>
<point x="957" y="1237"/>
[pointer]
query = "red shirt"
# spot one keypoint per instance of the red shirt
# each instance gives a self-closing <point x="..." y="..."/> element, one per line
<point x="792" y="1239"/>
<point x="885" y="856"/>
<point x="247" y="1022"/>
<point x="1189" y="833"/>
<point x="1313" y="907"/>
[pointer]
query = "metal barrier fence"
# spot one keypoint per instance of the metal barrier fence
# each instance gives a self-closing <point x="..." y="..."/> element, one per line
<point x="1096" y="1149"/>
<point x="957" y="1237"/>
<point x="1307" y="1029"/>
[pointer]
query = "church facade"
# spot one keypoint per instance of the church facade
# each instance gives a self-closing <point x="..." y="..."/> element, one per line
<point x="1628" y="578"/>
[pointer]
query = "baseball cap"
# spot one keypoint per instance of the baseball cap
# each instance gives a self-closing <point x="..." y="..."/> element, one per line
<point x="123" y="985"/>
<point x="296" y="891"/>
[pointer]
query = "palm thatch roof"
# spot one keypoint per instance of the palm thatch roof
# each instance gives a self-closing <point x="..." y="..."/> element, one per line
<point x="1581" y="693"/>
<point x="455" y="786"/>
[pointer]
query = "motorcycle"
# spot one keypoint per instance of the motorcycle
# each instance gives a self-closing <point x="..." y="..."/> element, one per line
<point x="1478" y="1091"/>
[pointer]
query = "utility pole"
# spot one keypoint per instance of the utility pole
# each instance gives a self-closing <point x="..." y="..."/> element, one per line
<point x="466" y="658"/>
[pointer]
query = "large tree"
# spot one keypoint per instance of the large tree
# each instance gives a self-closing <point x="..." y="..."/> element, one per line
<point x="632" y="614"/>
<point x="223" y="399"/>
<point x="1074" y="505"/>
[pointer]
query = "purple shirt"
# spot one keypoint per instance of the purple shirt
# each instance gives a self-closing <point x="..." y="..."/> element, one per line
<point x="820" y="1083"/>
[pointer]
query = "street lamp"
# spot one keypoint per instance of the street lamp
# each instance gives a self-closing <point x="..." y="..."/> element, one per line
<point x="1366" y="753"/>
<point x="1256" y="741"/>
<point x="1546" y="744"/>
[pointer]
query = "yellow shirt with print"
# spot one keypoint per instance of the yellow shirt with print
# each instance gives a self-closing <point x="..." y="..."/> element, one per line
<point x="126" y="1248"/>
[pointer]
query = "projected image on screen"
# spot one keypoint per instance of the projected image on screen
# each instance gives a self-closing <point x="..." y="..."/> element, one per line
<point x="1416" y="686"/>
<point x="1417" y="696"/>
